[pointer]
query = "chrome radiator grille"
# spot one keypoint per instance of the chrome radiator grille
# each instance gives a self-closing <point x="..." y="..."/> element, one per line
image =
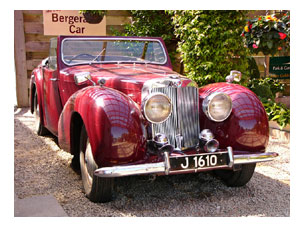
<point x="184" y="119"/>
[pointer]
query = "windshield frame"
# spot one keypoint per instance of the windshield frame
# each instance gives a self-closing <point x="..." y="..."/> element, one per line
<point x="165" y="62"/>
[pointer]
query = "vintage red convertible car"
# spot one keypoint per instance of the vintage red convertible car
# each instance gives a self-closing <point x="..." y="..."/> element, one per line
<point x="118" y="107"/>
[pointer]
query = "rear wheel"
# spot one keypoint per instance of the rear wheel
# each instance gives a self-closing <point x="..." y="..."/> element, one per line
<point x="97" y="189"/>
<point x="236" y="178"/>
<point x="39" y="128"/>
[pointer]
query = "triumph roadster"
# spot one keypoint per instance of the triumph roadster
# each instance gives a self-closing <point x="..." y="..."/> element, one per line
<point x="118" y="107"/>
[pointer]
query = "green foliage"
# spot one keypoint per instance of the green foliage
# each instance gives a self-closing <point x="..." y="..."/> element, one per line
<point x="253" y="69"/>
<point x="94" y="12"/>
<point x="267" y="34"/>
<point x="210" y="43"/>
<point x="151" y="23"/>
<point x="266" y="89"/>
<point x="263" y="91"/>
<point x="277" y="112"/>
<point x="154" y="23"/>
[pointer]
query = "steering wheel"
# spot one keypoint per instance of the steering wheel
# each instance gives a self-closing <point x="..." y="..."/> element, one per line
<point x="81" y="55"/>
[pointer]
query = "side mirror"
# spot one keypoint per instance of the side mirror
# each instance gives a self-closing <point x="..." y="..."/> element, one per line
<point x="234" y="76"/>
<point x="45" y="62"/>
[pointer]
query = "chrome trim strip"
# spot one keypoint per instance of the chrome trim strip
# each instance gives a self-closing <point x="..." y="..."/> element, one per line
<point x="231" y="157"/>
<point x="110" y="38"/>
<point x="167" y="163"/>
<point x="120" y="171"/>
<point x="164" y="167"/>
<point x="254" y="158"/>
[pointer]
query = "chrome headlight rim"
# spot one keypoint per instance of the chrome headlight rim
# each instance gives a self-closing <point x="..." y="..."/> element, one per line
<point x="145" y="102"/>
<point x="207" y="102"/>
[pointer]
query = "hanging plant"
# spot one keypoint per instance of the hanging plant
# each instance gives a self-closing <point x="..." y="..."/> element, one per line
<point x="93" y="16"/>
<point x="267" y="34"/>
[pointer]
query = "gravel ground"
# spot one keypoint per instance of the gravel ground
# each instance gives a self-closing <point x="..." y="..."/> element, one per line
<point x="41" y="168"/>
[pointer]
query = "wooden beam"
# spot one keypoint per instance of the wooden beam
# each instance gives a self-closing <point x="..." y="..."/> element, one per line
<point x="32" y="64"/>
<point x="20" y="61"/>
<point x="33" y="27"/>
<point x="39" y="46"/>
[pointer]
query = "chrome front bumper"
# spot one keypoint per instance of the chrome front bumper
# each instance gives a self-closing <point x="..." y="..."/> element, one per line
<point x="164" y="167"/>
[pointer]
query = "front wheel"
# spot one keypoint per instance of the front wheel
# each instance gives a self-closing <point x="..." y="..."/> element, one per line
<point x="236" y="178"/>
<point x="97" y="189"/>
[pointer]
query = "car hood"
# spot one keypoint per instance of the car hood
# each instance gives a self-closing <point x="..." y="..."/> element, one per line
<point x="131" y="79"/>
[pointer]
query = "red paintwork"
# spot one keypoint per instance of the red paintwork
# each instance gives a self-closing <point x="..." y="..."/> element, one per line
<point x="247" y="126"/>
<point x="124" y="78"/>
<point x="113" y="122"/>
<point x="51" y="100"/>
<point x="111" y="114"/>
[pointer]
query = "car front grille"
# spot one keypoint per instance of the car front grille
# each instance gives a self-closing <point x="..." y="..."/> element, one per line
<point x="184" y="119"/>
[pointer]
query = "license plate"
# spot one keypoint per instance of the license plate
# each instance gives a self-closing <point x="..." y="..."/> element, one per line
<point x="199" y="161"/>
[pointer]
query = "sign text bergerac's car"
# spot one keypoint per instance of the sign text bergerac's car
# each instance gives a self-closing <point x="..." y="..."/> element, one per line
<point x="116" y="105"/>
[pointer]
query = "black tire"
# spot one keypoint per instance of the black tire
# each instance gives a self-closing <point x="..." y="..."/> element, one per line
<point x="75" y="164"/>
<point x="39" y="128"/>
<point x="236" y="178"/>
<point x="97" y="189"/>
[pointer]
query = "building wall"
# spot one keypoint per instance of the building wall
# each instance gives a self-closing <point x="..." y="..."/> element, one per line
<point x="32" y="46"/>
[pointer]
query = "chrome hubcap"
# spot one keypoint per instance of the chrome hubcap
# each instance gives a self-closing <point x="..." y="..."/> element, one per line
<point x="37" y="117"/>
<point x="89" y="163"/>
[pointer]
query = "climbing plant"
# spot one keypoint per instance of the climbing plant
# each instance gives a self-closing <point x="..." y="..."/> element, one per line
<point x="210" y="43"/>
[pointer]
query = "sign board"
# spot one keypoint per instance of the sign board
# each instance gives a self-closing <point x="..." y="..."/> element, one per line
<point x="280" y="67"/>
<point x="72" y="23"/>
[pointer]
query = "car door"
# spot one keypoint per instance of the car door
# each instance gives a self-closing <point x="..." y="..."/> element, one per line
<point x="52" y="103"/>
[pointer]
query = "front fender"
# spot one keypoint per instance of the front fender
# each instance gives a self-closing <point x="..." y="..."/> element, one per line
<point x="113" y="123"/>
<point x="247" y="126"/>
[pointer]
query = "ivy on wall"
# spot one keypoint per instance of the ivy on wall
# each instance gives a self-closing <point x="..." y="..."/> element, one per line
<point x="152" y="23"/>
<point x="210" y="43"/>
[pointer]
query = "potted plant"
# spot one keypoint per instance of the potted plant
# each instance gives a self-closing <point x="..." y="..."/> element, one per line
<point x="267" y="34"/>
<point x="93" y="16"/>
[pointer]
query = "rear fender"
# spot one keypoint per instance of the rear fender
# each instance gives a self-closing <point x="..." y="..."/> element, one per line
<point x="113" y="123"/>
<point x="247" y="126"/>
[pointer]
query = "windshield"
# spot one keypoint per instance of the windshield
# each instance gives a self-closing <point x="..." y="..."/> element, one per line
<point x="88" y="51"/>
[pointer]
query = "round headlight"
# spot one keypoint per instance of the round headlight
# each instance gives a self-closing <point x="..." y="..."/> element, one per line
<point x="217" y="106"/>
<point x="157" y="108"/>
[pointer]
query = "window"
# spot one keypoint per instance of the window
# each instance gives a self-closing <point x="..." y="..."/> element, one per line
<point x="53" y="54"/>
<point x="85" y="50"/>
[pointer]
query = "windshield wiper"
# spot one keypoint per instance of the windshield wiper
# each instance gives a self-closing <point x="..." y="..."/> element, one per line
<point x="97" y="56"/>
<point x="144" y="60"/>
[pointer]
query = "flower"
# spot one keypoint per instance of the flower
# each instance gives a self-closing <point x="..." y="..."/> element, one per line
<point x="266" y="34"/>
<point x="282" y="35"/>
<point x="268" y="17"/>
